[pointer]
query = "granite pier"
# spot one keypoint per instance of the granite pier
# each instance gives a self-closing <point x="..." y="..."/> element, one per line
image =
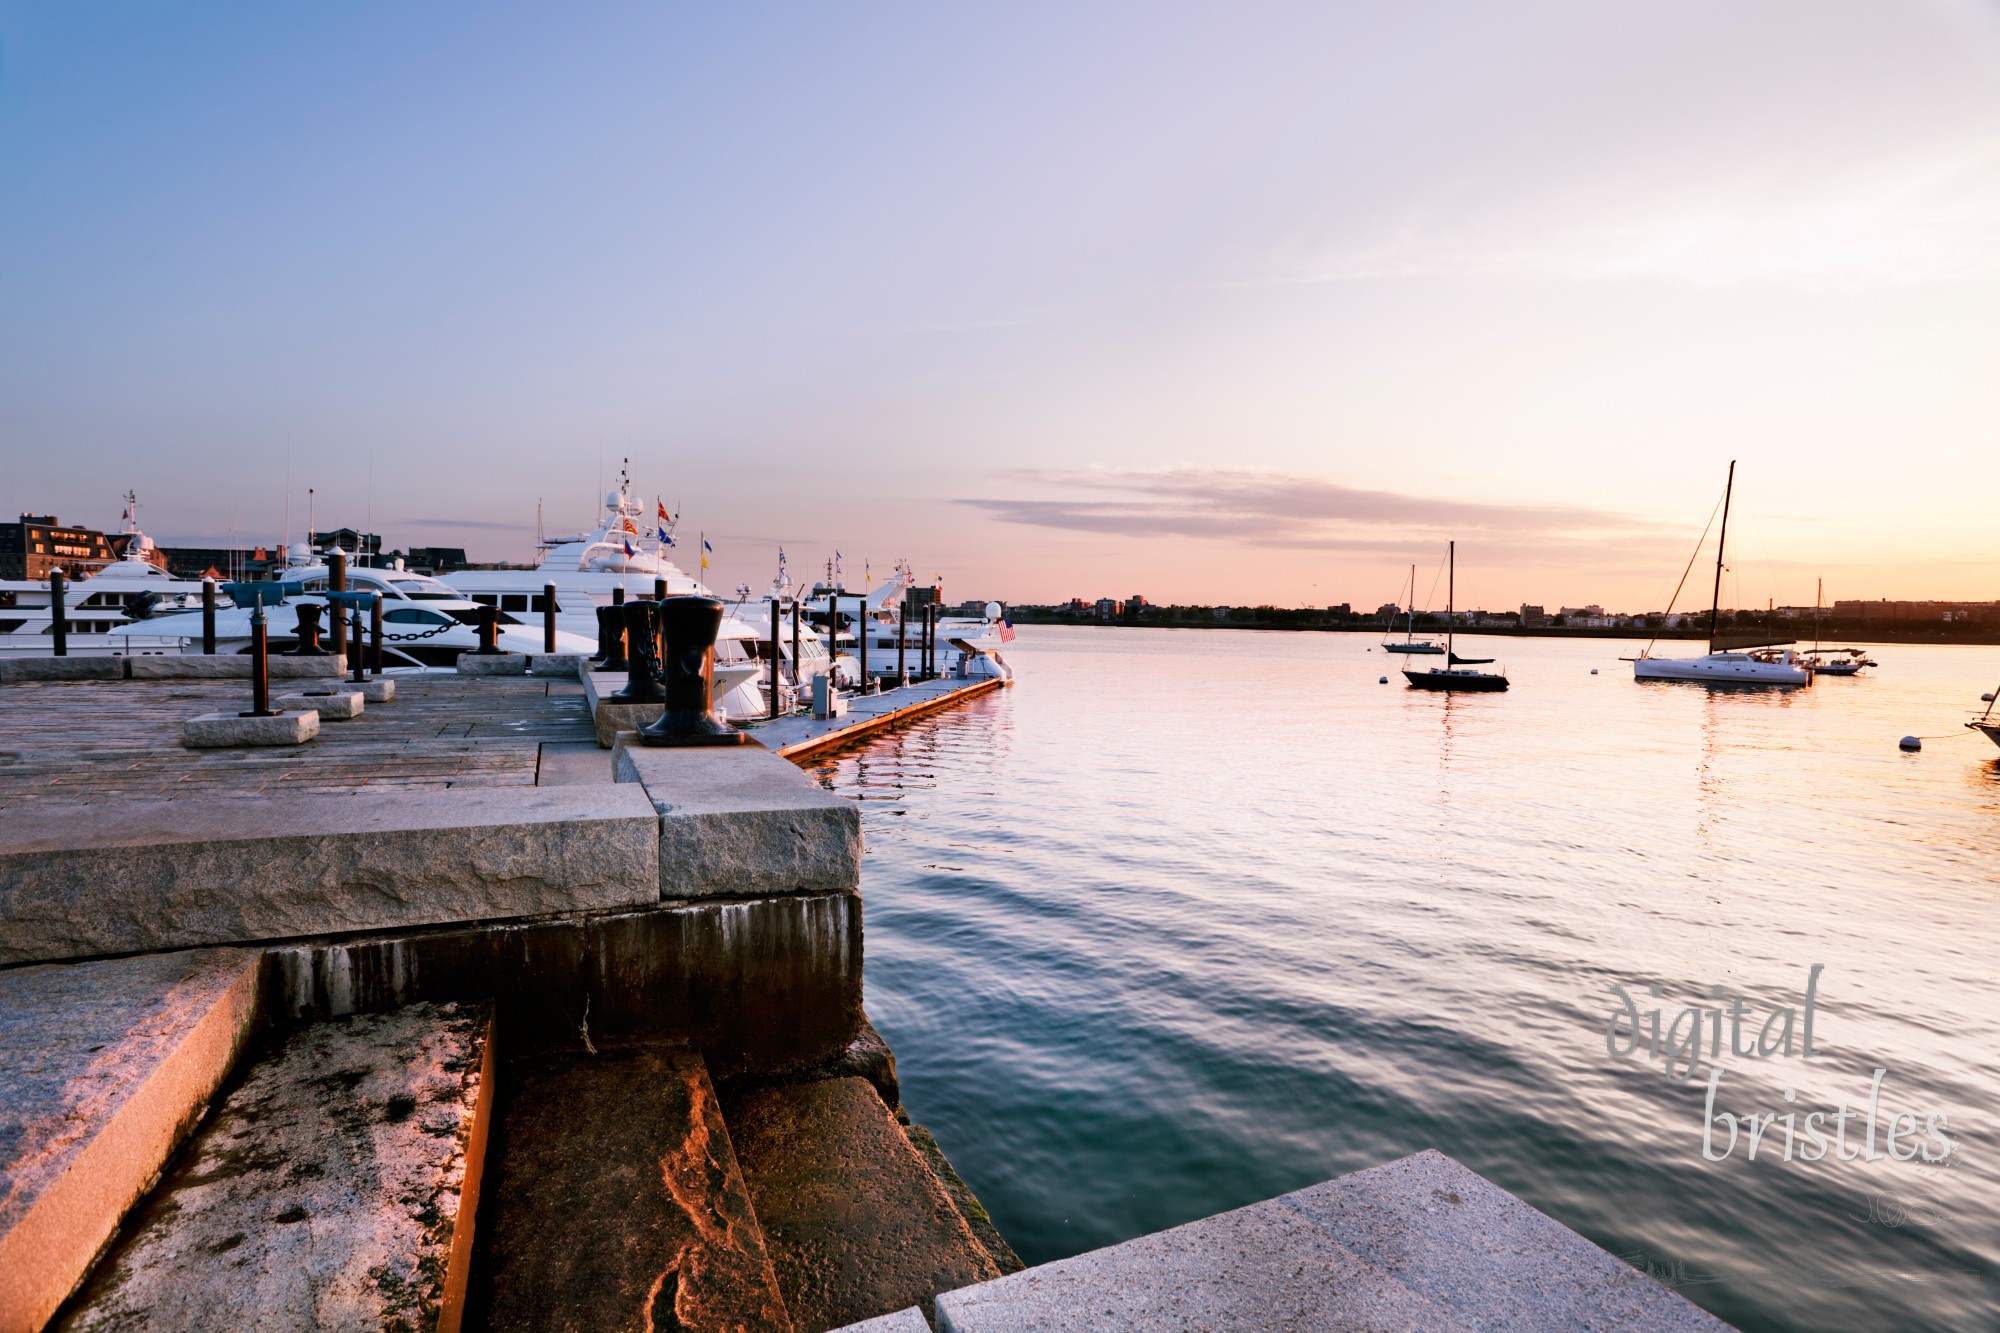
<point x="468" y="1012"/>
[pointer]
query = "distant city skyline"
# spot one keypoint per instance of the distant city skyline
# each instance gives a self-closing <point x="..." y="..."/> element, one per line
<point x="1257" y="303"/>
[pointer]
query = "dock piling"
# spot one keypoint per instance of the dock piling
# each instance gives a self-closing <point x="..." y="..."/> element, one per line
<point x="776" y="655"/>
<point x="375" y="632"/>
<point x="208" y="617"/>
<point x="260" y="665"/>
<point x="336" y="581"/>
<point x="549" y="618"/>
<point x="58" y="621"/>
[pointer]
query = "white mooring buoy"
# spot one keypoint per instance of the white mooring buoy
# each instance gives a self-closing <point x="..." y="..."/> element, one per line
<point x="1910" y="743"/>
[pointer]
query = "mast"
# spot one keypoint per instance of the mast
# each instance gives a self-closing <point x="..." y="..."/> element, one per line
<point x="1450" y="588"/>
<point x="1721" y="543"/>
<point x="1410" y="634"/>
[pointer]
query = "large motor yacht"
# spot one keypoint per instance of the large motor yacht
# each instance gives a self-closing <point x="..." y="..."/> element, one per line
<point x="131" y="588"/>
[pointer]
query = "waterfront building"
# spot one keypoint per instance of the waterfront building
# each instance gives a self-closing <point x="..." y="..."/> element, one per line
<point x="39" y="544"/>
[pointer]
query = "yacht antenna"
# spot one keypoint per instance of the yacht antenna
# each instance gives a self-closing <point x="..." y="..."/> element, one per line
<point x="1721" y="544"/>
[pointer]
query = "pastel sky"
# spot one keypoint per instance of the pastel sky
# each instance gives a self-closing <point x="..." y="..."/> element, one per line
<point x="1232" y="302"/>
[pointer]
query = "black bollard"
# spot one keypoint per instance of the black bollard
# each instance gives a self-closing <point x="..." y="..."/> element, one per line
<point x="308" y="633"/>
<point x="336" y="581"/>
<point x="360" y="667"/>
<point x="611" y="628"/>
<point x="618" y="596"/>
<point x="798" y="671"/>
<point x="902" y="644"/>
<point x="375" y="634"/>
<point x="208" y="616"/>
<point x="260" y="666"/>
<point x="861" y="641"/>
<point x="58" y="621"/>
<point x="549" y="618"/>
<point x="642" y="657"/>
<point x="489" y="632"/>
<point x="777" y="655"/>
<point x="660" y="588"/>
<point x="689" y="625"/>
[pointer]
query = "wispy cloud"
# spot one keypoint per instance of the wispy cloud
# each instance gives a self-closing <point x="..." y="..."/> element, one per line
<point x="1310" y="513"/>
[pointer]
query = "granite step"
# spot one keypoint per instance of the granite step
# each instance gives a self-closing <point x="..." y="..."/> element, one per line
<point x="334" y="1187"/>
<point x="105" y="1068"/>
<point x="856" y="1224"/>
<point x="613" y="1201"/>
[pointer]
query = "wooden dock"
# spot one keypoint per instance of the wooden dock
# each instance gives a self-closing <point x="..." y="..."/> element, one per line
<point x="868" y="715"/>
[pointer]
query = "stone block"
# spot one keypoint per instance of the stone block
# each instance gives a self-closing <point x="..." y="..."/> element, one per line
<point x="571" y="764"/>
<point x="211" y="731"/>
<point x="615" y="720"/>
<point x="493" y="664"/>
<point x="189" y="666"/>
<point x="569" y="666"/>
<point x="1261" y="1267"/>
<point x="61" y="668"/>
<point x="173" y="874"/>
<point x="282" y="667"/>
<point x="376" y="689"/>
<point x="104" y="1067"/>
<point x="903" y="1321"/>
<point x="614" y="1201"/>
<point x="740" y="820"/>
<point x="1445" y="1231"/>
<point x="334" y="1188"/>
<point x="333" y="705"/>
<point x="856" y="1224"/>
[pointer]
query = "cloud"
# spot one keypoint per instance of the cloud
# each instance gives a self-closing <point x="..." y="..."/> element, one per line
<point x="1308" y="513"/>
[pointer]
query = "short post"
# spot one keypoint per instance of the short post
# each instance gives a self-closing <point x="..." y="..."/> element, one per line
<point x="930" y="639"/>
<point x="208" y="616"/>
<point x="902" y="644"/>
<point x="618" y="596"/>
<point x="660" y="588"/>
<point x="336" y="581"/>
<point x="832" y="634"/>
<point x="798" y="669"/>
<point x="58" y="621"/>
<point x="689" y="626"/>
<point x="549" y="618"/>
<point x="260" y="665"/>
<point x="489" y="632"/>
<point x="777" y="654"/>
<point x="861" y="638"/>
<point x="360" y="666"/>
<point x="642" y="658"/>
<point x="375" y="633"/>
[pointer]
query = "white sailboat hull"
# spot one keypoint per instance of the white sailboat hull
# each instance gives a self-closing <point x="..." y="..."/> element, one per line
<point x="1720" y="669"/>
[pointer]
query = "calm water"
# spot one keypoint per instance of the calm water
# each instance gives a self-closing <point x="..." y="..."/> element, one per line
<point x="1187" y="919"/>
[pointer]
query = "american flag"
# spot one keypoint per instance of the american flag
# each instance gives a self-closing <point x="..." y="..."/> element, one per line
<point x="1006" y="631"/>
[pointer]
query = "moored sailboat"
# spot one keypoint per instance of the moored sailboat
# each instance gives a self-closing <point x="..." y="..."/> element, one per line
<point x="1411" y="643"/>
<point x="1459" y="673"/>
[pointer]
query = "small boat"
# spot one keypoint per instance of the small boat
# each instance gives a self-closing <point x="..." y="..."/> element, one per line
<point x="1458" y="673"/>
<point x="1986" y="724"/>
<point x="1727" y="662"/>
<point x="1411" y="643"/>
<point x="1836" y="661"/>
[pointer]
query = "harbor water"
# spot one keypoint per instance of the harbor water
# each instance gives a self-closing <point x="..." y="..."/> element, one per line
<point x="1187" y="919"/>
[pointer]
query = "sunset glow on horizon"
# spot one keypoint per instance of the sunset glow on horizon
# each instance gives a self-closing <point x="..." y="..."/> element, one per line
<point x="1215" y="304"/>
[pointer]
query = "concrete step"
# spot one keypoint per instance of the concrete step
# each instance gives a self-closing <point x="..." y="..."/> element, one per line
<point x="613" y="1201"/>
<point x="333" y="1188"/>
<point x="104" y="1069"/>
<point x="856" y="1224"/>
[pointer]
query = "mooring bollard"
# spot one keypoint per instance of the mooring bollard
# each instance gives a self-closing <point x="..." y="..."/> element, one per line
<point x="336" y="581"/>
<point x="489" y="632"/>
<point x="308" y="632"/>
<point x="260" y="666"/>
<point x="618" y="596"/>
<point x="902" y="644"/>
<point x="208" y="616"/>
<point x="689" y="626"/>
<point x="777" y="655"/>
<point x="375" y="634"/>
<point x="861" y="643"/>
<point x="549" y="618"/>
<point x="611" y="636"/>
<point x="642" y="658"/>
<point x="660" y="588"/>
<point x="58" y="621"/>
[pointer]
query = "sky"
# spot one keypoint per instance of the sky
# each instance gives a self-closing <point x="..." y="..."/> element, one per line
<point x="1223" y="303"/>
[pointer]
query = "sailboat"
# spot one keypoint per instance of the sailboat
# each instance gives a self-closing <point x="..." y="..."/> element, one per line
<point x="1720" y="665"/>
<point x="1411" y="643"/>
<point x="1457" y="673"/>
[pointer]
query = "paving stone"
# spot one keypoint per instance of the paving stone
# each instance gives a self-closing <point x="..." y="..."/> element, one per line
<point x="188" y="666"/>
<point x="176" y="874"/>
<point x="566" y="665"/>
<point x="332" y="706"/>
<point x="740" y="820"/>
<point x="614" y="1201"/>
<point x="334" y="1188"/>
<point x="104" y="1068"/>
<point x="492" y="664"/>
<point x="856" y="1224"/>
<point x="1499" y="1264"/>
<point x="376" y="689"/>
<point x="572" y="764"/>
<point x="218" y="731"/>
<point x="282" y="667"/>
<point x="903" y="1321"/>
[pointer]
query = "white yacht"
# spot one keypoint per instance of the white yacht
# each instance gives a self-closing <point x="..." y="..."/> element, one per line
<point x="425" y="623"/>
<point x="624" y="553"/>
<point x="1726" y="662"/>
<point x="129" y="589"/>
<point x="968" y="647"/>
